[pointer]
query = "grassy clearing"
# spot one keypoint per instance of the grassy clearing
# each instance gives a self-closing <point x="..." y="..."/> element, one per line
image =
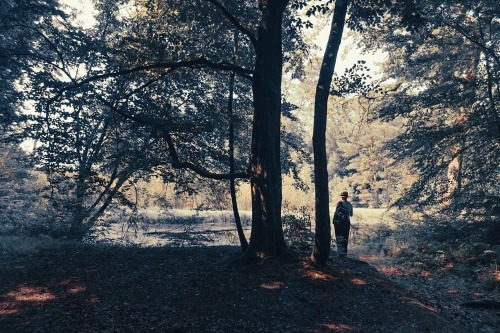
<point x="371" y="216"/>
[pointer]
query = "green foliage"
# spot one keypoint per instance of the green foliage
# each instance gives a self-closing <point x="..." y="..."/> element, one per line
<point x="95" y="139"/>
<point x="355" y="80"/>
<point x="405" y="15"/>
<point x="187" y="104"/>
<point x="21" y="205"/>
<point x="297" y="225"/>
<point x="20" y="22"/>
<point x="444" y="73"/>
<point x="358" y="158"/>
<point x="309" y="9"/>
<point x="133" y="94"/>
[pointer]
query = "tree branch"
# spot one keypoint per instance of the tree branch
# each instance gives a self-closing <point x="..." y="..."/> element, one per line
<point x="235" y="22"/>
<point x="196" y="63"/>
<point x="176" y="163"/>
<point x="457" y="27"/>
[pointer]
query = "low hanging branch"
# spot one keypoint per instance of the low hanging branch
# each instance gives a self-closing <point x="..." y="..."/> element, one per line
<point x="176" y="162"/>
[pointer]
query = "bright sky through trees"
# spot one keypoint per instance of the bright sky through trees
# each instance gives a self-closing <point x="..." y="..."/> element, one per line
<point x="348" y="54"/>
<point x="86" y="18"/>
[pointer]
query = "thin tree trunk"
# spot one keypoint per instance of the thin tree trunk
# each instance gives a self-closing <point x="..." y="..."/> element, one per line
<point x="78" y="210"/>
<point x="237" y="219"/>
<point x="323" y="236"/>
<point x="493" y="109"/>
<point x="109" y="198"/>
<point x="265" y="169"/>
<point x="79" y="228"/>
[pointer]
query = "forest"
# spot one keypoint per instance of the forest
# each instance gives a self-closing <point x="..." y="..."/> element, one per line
<point x="157" y="155"/>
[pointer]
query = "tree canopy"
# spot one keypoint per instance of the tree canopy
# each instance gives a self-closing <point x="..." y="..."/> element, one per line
<point x="147" y="89"/>
<point x="443" y="73"/>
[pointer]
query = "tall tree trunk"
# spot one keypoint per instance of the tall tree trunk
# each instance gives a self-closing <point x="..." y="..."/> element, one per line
<point x="237" y="219"/>
<point x="265" y="169"/>
<point x="322" y="238"/>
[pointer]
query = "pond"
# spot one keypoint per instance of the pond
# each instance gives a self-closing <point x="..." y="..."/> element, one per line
<point x="174" y="228"/>
<point x="371" y="236"/>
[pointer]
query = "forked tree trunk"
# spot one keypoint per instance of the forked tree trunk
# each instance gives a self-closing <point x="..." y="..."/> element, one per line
<point x="323" y="236"/>
<point x="265" y="170"/>
<point x="89" y="215"/>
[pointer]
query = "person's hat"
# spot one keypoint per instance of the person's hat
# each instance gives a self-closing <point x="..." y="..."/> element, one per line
<point x="344" y="194"/>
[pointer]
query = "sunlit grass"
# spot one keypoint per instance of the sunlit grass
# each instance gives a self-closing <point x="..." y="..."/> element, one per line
<point x="370" y="215"/>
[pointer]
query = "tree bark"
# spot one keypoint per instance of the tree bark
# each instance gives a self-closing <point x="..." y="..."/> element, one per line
<point x="265" y="169"/>
<point x="323" y="236"/>
<point x="237" y="219"/>
<point x="78" y="228"/>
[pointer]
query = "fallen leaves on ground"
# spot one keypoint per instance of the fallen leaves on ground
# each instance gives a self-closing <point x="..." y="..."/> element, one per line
<point x="88" y="289"/>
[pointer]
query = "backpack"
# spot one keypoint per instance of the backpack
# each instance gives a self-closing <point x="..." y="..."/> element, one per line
<point x="341" y="215"/>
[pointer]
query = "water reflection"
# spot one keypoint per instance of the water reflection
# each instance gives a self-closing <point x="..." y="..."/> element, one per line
<point x="173" y="228"/>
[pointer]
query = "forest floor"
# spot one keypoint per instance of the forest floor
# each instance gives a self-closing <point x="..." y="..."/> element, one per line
<point x="409" y="279"/>
<point x="106" y="289"/>
<point x="89" y="288"/>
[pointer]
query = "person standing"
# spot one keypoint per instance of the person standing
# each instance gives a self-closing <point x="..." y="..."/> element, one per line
<point x="342" y="223"/>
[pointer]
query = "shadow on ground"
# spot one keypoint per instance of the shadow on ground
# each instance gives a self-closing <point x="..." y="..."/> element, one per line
<point x="80" y="288"/>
